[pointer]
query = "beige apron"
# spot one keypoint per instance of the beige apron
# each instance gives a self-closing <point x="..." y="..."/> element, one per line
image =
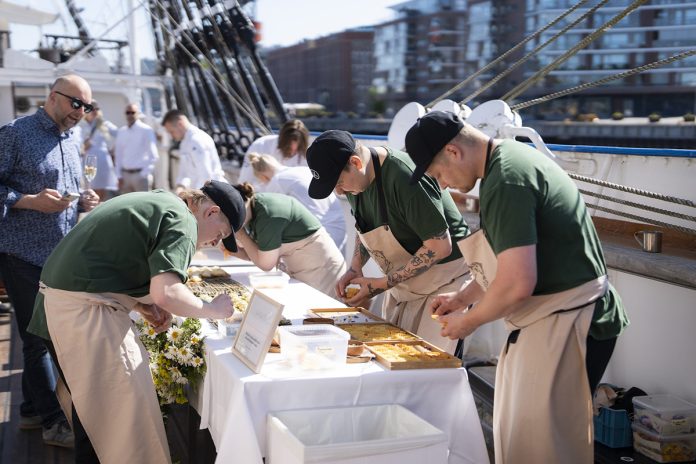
<point x="314" y="260"/>
<point x="541" y="379"/>
<point x="406" y="303"/>
<point x="108" y="374"/>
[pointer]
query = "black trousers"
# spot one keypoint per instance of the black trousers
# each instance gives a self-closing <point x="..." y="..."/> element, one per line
<point x="598" y="355"/>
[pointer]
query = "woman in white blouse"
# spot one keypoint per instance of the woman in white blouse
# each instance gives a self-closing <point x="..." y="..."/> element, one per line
<point x="289" y="147"/>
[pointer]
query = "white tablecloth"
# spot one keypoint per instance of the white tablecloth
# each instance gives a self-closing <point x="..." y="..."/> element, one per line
<point x="233" y="401"/>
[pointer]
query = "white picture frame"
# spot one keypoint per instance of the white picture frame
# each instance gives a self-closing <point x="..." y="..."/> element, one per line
<point x="257" y="329"/>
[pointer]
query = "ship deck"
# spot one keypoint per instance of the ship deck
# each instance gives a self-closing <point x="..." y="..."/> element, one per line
<point x="19" y="446"/>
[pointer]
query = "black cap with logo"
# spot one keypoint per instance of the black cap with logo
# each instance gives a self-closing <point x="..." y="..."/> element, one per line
<point x="232" y="206"/>
<point x="428" y="136"/>
<point x="326" y="158"/>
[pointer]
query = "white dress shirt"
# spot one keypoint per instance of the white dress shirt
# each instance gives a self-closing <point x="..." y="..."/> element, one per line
<point x="294" y="182"/>
<point x="136" y="148"/>
<point x="199" y="160"/>
<point x="266" y="145"/>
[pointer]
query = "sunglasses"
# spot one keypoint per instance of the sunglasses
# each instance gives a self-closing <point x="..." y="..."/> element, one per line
<point x="130" y="112"/>
<point x="76" y="103"/>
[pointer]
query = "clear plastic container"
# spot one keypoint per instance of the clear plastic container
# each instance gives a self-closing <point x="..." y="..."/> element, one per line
<point x="664" y="448"/>
<point x="317" y="346"/>
<point x="665" y="414"/>
<point x="273" y="279"/>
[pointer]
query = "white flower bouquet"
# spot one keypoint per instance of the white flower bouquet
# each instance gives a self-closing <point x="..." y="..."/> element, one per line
<point x="176" y="358"/>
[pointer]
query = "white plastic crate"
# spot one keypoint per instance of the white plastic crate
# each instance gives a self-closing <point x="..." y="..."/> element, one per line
<point x="383" y="434"/>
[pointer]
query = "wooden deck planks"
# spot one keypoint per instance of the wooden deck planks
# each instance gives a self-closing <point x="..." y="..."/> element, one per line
<point x="19" y="446"/>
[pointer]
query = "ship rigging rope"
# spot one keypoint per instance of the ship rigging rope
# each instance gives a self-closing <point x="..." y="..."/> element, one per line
<point x="639" y="206"/>
<point x="522" y="60"/>
<point x="205" y="68"/>
<point x="512" y="50"/>
<point x="604" y="80"/>
<point x="666" y="225"/>
<point x="526" y="84"/>
<point x="623" y="188"/>
<point x="226" y="52"/>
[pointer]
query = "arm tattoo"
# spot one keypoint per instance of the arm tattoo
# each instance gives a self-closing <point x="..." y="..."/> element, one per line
<point x="359" y="253"/>
<point x="364" y="254"/>
<point x="371" y="291"/>
<point x="419" y="263"/>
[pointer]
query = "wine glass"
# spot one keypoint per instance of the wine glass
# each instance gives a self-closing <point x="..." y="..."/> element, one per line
<point x="90" y="168"/>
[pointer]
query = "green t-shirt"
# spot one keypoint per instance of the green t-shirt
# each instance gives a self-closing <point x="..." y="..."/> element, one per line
<point x="120" y="246"/>
<point x="278" y="219"/>
<point x="415" y="213"/>
<point x="527" y="199"/>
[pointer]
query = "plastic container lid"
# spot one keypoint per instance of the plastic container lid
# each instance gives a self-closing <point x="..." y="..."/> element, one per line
<point x="665" y="404"/>
<point x="654" y="436"/>
<point x="316" y="330"/>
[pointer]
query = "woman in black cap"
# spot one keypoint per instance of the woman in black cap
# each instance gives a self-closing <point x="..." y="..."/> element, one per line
<point x="279" y="230"/>
<point x="130" y="253"/>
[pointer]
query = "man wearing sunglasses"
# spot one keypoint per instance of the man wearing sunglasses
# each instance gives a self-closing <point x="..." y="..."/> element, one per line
<point x="135" y="153"/>
<point x="39" y="167"/>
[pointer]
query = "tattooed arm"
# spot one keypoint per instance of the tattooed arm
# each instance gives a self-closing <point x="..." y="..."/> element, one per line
<point x="433" y="250"/>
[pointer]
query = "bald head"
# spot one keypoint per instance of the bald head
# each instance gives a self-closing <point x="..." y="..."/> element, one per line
<point x="71" y="82"/>
<point x="132" y="112"/>
<point x="65" y="91"/>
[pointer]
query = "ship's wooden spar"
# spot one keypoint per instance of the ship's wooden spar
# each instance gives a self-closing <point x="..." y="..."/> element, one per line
<point x="218" y="77"/>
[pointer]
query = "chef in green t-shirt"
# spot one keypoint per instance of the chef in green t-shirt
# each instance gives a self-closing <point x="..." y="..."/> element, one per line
<point x="130" y="253"/>
<point x="280" y="231"/>
<point x="409" y="230"/>
<point x="538" y="264"/>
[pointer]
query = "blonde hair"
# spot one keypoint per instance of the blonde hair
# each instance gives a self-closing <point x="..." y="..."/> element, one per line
<point x="194" y="198"/>
<point x="262" y="163"/>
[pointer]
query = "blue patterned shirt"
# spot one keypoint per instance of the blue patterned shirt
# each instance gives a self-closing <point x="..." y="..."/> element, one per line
<point x="34" y="155"/>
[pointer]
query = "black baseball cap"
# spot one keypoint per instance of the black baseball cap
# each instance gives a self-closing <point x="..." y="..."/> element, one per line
<point x="428" y="136"/>
<point x="232" y="206"/>
<point x="326" y="158"/>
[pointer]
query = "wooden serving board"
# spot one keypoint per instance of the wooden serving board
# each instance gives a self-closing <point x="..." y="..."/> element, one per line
<point x="355" y="315"/>
<point x="213" y="286"/>
<point x="442" y="360"/>
<point x="380" y="331"/>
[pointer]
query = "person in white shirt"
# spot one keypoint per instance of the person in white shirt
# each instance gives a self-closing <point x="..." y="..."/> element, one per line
<point x="135" y="153"/>
<point x="99" y="141"/>
<point x="289" y="147"/>
<point x="294" y="181"/>
<point x="199" y="159"/>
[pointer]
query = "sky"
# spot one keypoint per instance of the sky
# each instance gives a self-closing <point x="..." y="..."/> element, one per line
<point x="283" y="22"/>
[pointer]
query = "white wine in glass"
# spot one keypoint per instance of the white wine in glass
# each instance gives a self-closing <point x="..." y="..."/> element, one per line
<point x="90" y="168"/>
